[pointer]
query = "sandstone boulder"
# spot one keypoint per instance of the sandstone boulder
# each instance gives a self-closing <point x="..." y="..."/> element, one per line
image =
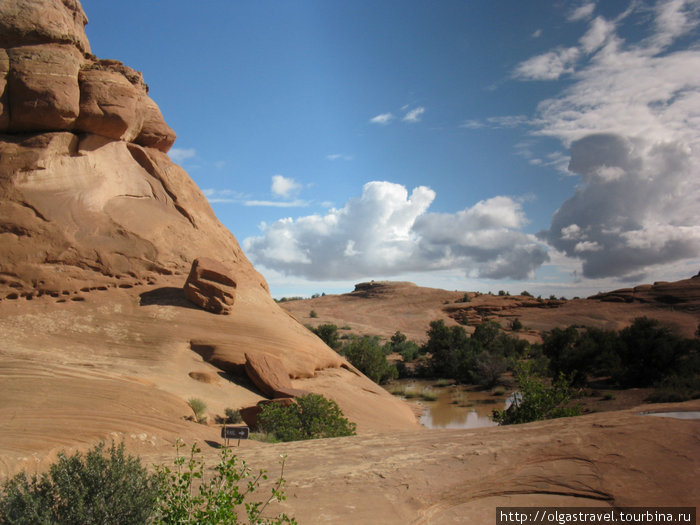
<point x="155" y="133"/>
<point x="110" y="105"/>
<point x="43" y="21"/>
<point x="42" y="87"/>
<point x="267" y="373"/>
<point x="210" y="286"/>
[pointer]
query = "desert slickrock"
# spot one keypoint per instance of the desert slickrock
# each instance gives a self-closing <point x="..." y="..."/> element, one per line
<point x="98" y="230"/>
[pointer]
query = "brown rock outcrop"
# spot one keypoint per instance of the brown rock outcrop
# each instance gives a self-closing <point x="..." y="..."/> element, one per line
<point x="267" y="373"/>
<point x="49" y="81"/>
<point x="210" y="286"/>
<point x="43" y="21"/>
<point x="99" y="228"/>
<point x="85" y="184"/>
<point x="684" y="294"/>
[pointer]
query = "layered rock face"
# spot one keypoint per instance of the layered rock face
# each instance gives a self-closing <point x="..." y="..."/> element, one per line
<point x="98" y="231"/>
<point x="88" y="196"/>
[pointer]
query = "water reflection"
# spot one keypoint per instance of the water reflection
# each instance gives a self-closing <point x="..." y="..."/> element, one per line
<point x="458" y="406"/>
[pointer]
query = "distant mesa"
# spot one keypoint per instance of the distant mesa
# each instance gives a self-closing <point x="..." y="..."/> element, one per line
<point x="683" y="294"/>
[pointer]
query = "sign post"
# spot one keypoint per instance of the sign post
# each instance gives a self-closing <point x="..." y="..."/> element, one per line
<point x="234" y="433"/>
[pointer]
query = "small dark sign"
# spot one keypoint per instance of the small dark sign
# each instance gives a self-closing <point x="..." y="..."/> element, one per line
<point x="234" y="432"/>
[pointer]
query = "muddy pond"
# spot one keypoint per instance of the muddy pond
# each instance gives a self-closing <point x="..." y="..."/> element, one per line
<point x="451" y="406"/>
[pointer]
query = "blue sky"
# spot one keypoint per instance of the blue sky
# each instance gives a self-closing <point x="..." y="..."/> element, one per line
<point x="472" y="145"/>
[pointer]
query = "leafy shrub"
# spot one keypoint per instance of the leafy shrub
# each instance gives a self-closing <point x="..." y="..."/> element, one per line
<point x="232" y="416"/>
<point x="111" y="488"/>
<point x="328" y="334"/>
<point x="525" y="293"/>
<point x="367" y="355"/>
<point x="221" y="498"/>
<point x="465" y="299"/>
<point x="311" y="417"/>
<point x="199" y="407"/>
<point x="313" y="314"/>
<point x="535" y="400"/>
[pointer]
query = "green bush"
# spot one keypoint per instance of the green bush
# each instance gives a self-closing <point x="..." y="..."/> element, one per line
<point x="328" y="334"/>
<point x="367" y="356"/>
<point x="186" y="496"/>
<point x="313" y="314"/>
<point x="536" y="400"/>
<point x="311" y="417"/>
<point x="108" y="488"/>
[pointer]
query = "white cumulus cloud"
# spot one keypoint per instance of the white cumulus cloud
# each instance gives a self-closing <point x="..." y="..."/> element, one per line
<point x="386" y="231"/>
<point x="284" y="187"/>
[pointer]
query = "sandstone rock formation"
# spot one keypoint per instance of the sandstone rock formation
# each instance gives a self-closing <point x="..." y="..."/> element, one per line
<point x="268" y="373"/>
<point x="85" y="184"/>
<point x="98" y="230"/>
<point x="210" y="286"/>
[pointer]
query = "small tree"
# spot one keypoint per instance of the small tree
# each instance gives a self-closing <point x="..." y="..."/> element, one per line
<point x="367" y="355"/>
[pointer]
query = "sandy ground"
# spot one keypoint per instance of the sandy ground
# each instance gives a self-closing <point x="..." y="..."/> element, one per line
<point x="461" y="476"/>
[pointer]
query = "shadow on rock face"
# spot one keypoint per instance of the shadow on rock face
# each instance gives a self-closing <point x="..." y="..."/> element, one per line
<point x="166" y="296"/>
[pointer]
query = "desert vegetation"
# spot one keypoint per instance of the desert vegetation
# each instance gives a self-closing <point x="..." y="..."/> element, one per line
<point x="110" y="487"/>
<point x="549" y="376"/>
<point x="311" y="416"/>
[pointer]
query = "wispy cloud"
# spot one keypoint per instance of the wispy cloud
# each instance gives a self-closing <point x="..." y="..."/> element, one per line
<point x="410" y="116"/>
<point x="537" y="33"/>
<point x="548" y="66"/>
<point x="582" y="12"/>
<point x="339" y="156"/>
<point x="180" y="154"/>
<point x="278" y="204"/>
<point x="498" y="122"/>
<point x="414" y="115"/>
<point x="382" y="119"/>
<point x="230" y="196"/>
